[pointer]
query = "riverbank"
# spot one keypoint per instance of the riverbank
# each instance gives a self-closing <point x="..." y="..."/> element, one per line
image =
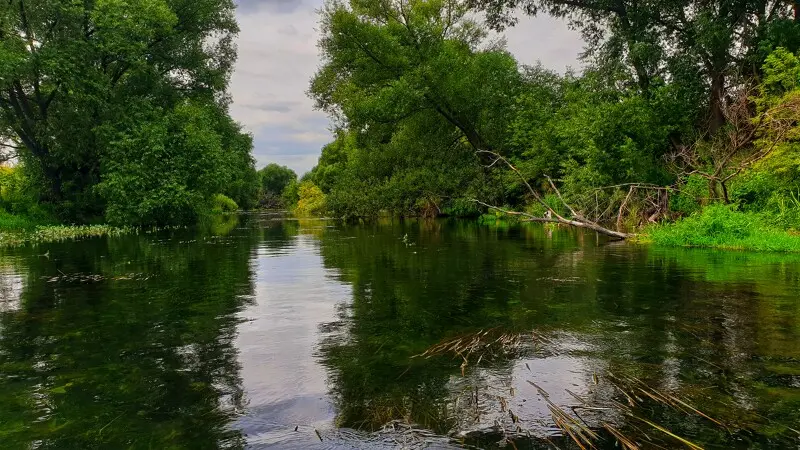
<point x="722" y="227"/>
<point x="57" y="233"/>
<point x="718" y="227"/>
<point x="20" y="230"/>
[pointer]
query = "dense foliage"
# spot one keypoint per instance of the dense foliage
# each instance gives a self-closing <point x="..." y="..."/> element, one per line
<point x="118" y="109"/>
<point x="680" y="105"/>
<point x="278" y="184"/>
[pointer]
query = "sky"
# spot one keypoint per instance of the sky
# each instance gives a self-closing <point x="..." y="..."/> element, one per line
<point x="278" y="55"/>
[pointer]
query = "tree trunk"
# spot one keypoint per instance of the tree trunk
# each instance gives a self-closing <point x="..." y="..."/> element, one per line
<point x="717" y="102"/>
<point x="725" y="197"/>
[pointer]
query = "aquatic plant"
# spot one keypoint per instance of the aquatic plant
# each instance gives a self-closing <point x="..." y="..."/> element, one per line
<point x="58" y="233"/>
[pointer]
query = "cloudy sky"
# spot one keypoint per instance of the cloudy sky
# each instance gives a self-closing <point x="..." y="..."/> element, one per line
<point x="278" y="55"/>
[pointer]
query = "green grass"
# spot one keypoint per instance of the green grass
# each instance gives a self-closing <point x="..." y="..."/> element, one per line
<point x="10" y="221"/>
<point x="720" y="226"/>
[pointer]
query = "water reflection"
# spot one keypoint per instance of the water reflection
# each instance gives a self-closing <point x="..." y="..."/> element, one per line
<point x="260" y="332"/>
<point x="123" y="343"/>
<point x="719" y="330"/>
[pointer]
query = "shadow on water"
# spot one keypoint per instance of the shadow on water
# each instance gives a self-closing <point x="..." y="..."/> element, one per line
<point x="261" y="332"/>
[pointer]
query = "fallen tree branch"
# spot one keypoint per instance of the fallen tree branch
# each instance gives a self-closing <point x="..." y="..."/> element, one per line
<point x="577" y="220"/>
<point x="528" y="217"/>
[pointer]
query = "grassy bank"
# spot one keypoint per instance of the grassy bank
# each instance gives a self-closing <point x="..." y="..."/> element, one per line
<point x="720" y="226"/>
<point x="18" y="230"/>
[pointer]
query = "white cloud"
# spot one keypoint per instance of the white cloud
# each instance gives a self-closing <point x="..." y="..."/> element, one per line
<point x="278" y="56"/>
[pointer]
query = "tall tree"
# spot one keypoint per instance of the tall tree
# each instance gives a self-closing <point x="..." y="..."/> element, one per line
<point x="656" y="42"/>
<point x="77" y="76"/>
<point x="418" y="92"/>
<point x="386" y="61"/>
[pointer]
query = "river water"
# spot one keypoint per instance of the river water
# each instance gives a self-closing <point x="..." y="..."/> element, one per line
<point x="262" y="332"/>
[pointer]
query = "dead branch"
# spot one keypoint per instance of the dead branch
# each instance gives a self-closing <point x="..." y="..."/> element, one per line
<point x="577" y="221"/>
<point x="528" y="217"/>
<point x="622" y="207"/>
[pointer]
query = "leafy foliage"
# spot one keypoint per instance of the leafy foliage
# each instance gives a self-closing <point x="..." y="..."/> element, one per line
<point x="223" y="204"/>
<point x="311" y="200"/>
<point x="414" y="96"/>
<point x="275" y="179"/>
<point x="118" y="108"/>
<point x="681" y="105"/>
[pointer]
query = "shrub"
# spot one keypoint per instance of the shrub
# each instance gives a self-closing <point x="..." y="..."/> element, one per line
<point x="291" y="194"/>
<point x="222" y="204"/>
<point x="312" y="200"/>
<point x="693" y="193"/>
<point x="461" y="207"/>
<point x="754" y="189"/>
<point x="16" y="193"/>
<point x="13" y="222"/>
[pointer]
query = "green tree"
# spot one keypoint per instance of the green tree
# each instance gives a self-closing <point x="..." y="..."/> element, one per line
<point x="648" y="43"/>
<point x="274" y="181"/>
<point x="415" y="96"/>
<point x="82" y="83"/>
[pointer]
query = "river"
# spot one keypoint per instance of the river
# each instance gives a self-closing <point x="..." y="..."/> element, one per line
<point x="263" y="332"/>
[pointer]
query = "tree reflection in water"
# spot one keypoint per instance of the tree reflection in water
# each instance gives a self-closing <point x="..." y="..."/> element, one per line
<point x="125" y="343"/>
<point x="715" y="331"/>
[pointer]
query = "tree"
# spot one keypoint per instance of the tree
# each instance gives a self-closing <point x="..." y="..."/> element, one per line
<point x="385" y="62"/>
<point x="275" y="178"/>
<point x="759" y="123"/>
<point x="414" y="95"/>
<point x="274" y="181"/>
<point x="78" y="78"/>
<point x="650" y="43"/>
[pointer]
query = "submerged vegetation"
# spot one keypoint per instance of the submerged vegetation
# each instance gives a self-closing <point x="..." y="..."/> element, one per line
<point x="659" y="347"/>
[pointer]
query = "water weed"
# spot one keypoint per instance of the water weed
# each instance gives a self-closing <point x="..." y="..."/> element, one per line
<point x="58" y="233"/>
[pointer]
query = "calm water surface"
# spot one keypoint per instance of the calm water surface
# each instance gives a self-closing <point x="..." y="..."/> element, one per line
<point x="269" y="333"/>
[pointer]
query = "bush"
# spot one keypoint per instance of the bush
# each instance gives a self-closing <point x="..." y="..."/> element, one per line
<point x="754" y="189"/>
<point x="13" y="222"/>
<point x="312" y="200"/>
<point x="16" y="195"/>
<point x="461" y="207"/>
<point x="164" y="168"/>
<point x="222" y="204"/>
<point x="693" y="193"/>
<point x="291" y="194"/>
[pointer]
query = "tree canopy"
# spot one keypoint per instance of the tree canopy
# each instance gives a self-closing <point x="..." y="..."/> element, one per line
<point x="119" y="108"/>
<point x="673" y="95"/>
